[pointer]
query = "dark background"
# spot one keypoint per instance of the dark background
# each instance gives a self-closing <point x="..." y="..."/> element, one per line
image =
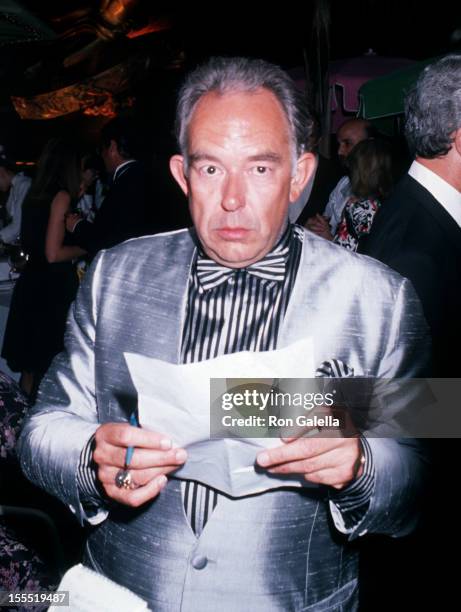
<point x="290" y="34"/>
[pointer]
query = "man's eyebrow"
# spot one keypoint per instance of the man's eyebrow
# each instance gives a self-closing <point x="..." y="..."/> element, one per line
<point x="197" y="157"/>
<point x="267" y="156"/>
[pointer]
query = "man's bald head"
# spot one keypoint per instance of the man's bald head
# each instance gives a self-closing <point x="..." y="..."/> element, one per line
<point x="350" y="133"/>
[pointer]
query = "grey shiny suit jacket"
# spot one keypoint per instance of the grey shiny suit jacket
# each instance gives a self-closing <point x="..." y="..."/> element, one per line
<point x="275" y="551"/>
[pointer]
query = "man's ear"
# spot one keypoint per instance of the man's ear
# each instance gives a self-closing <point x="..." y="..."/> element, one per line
<point x="457" y="141"/>
<point x="177" y="170"/>
<point x="305" y="170"/>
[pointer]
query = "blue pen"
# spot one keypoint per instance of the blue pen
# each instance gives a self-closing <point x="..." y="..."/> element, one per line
<point x="130" y="450"/>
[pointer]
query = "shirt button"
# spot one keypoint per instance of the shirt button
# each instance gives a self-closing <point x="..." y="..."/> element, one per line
<point x="231" y="281"/>
<point x="199" y="562"/>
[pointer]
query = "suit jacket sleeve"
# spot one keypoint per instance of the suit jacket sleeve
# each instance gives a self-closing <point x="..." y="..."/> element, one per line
<point x="84" y="235"/>
<point x="65" y="415"/>
<point x="400" y="464"/>
<point x="123" y="214"/>
<point x="110" y="227"/>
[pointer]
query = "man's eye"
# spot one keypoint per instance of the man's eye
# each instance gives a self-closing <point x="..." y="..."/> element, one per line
<point x="210" y="170"/>
<point x="261" y="169"/>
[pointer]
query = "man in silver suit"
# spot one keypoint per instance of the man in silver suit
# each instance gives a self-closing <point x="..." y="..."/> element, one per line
<point x="242" y="279"/>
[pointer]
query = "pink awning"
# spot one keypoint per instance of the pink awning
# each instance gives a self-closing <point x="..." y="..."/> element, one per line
<point x="346" y="76"/>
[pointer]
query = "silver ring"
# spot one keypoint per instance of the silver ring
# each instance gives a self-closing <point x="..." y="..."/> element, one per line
<point x="124" y="480"/>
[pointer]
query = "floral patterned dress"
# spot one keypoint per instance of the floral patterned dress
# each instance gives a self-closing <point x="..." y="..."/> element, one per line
<point x="356" y="221"/>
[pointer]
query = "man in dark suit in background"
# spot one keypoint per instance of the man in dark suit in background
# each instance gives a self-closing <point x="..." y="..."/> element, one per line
<point x="124" y="212"/>
<point x="418" y="233"/>
<point x="418" y="230"/>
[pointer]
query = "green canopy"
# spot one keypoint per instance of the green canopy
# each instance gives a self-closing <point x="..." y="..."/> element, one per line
<point x="384" y="96"/>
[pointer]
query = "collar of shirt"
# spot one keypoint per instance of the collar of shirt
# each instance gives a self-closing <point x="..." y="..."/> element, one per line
<point x="271" y="267"/>
<point x="443" y="192"/>
<point x="119" y="168"/>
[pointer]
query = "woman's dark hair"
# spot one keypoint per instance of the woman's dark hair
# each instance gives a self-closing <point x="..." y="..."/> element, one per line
<point x="370" y="169"/>
<point x="58" y="168"/>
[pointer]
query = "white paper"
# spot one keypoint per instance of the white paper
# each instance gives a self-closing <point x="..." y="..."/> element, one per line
<point x="175" y="400"/>
<point x="91" y="592"/>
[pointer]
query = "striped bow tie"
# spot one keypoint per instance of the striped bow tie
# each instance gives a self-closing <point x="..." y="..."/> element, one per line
<point x="271" y="267"/>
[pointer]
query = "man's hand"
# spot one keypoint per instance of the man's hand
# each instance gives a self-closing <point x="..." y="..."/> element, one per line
<point x="328" y="461"/>
<point x="320" y="226"/>
<point x="153" y="457"/>
<point x="71" y="221"/>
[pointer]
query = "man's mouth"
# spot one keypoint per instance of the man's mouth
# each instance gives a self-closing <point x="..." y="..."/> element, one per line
<point x="232" y="233"/>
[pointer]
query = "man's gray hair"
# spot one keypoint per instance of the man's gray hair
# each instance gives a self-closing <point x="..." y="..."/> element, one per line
<point x="239" y="74"/>
<point x="433" y="108"/>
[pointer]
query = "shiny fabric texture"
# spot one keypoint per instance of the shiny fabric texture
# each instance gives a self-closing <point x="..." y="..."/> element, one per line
<point x="277" y="551"/>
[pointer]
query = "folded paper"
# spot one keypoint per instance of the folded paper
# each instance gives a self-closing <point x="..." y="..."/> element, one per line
<point x="174" y="399"/>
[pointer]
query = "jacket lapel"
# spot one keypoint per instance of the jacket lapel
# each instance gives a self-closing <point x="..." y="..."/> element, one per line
<point x="437" y="211"/>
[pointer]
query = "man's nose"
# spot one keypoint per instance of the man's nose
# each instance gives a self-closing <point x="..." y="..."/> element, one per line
<point x="233" y="196"/>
